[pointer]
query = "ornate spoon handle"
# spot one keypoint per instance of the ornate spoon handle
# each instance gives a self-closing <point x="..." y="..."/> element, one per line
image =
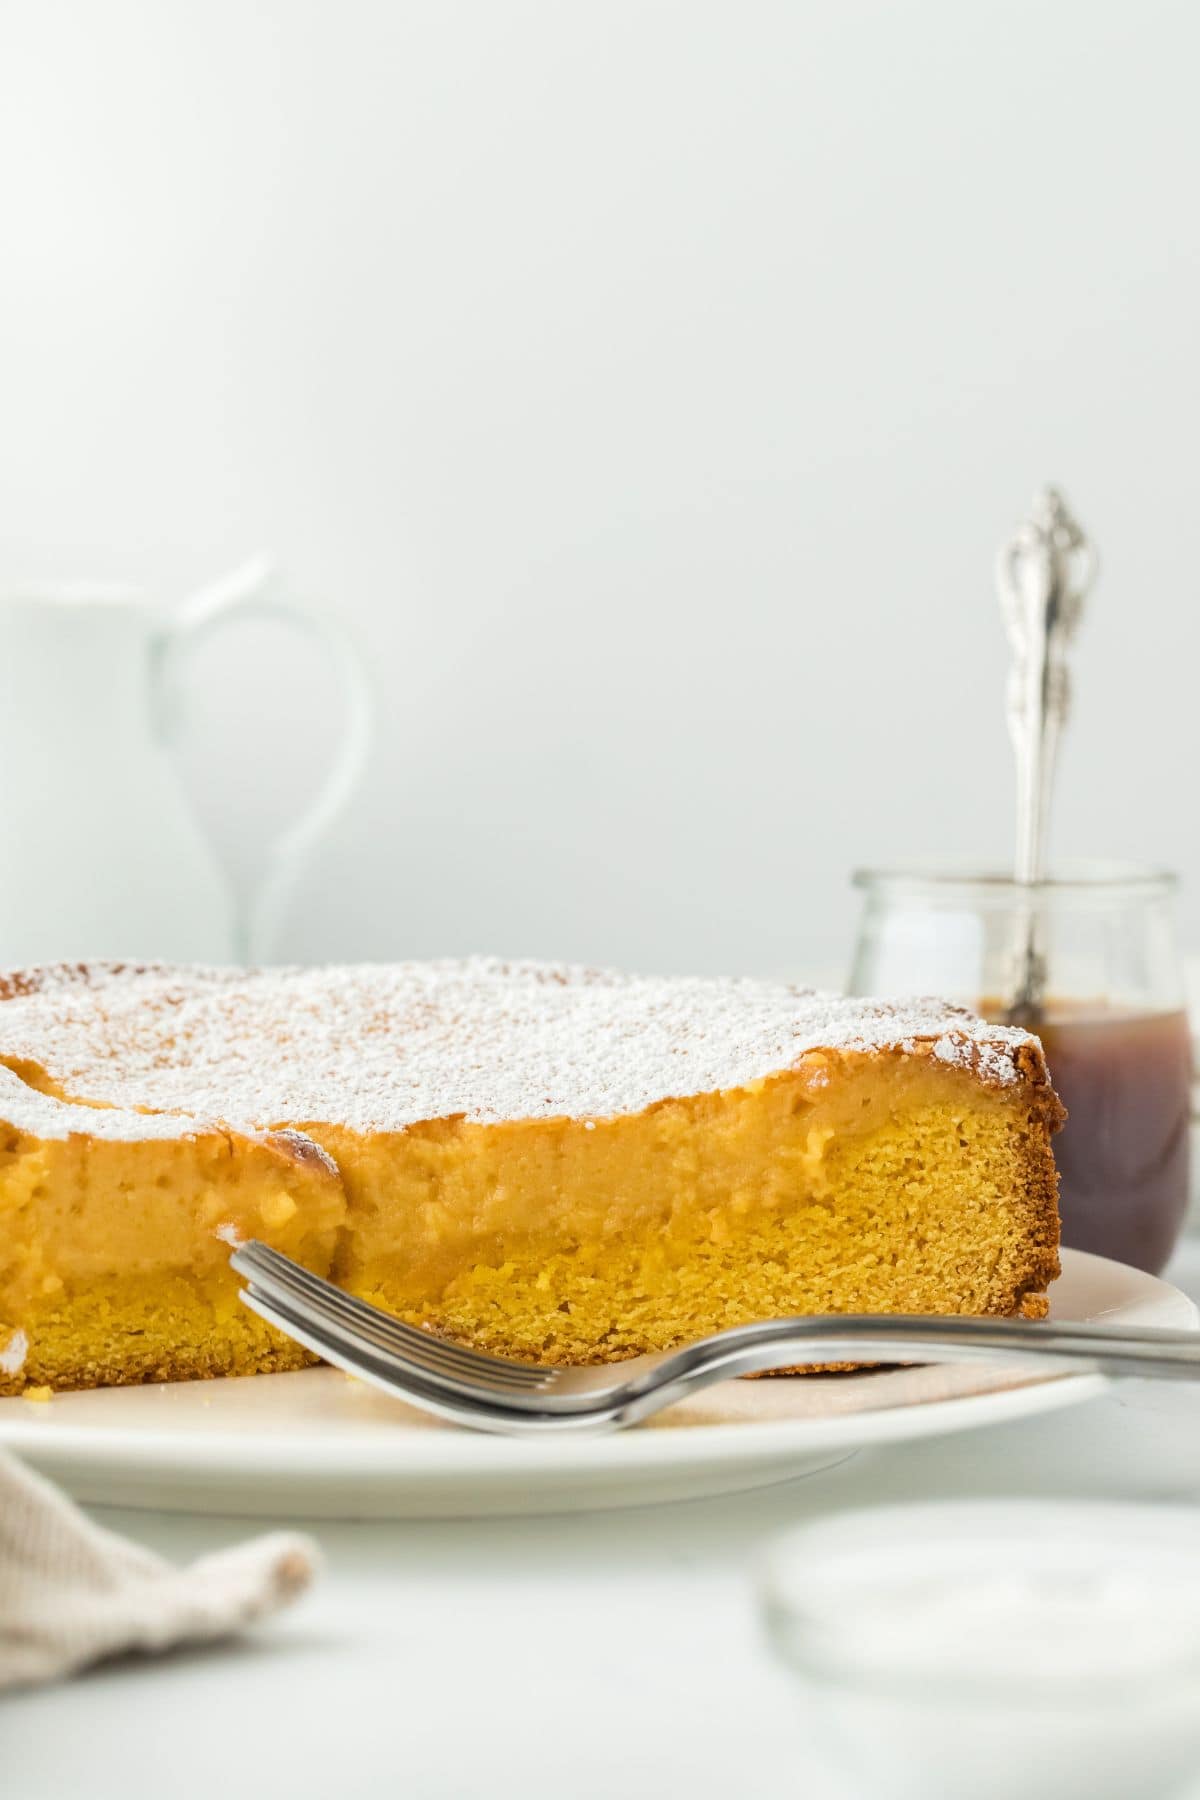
<point x="1043" y="575"/>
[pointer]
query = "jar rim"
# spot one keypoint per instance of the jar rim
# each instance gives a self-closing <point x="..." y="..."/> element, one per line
<point x="1091" y="878"/>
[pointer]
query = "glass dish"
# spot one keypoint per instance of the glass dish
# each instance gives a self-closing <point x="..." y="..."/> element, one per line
<point x="993" y="1648"/>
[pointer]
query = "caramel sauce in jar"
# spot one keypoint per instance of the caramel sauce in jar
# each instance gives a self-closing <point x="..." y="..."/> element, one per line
<point x="1123" y="1154"/>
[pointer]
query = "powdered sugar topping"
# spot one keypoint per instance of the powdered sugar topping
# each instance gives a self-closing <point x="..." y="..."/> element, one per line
<point x="12" y="1356"/>
<point x="160" y="1051"/>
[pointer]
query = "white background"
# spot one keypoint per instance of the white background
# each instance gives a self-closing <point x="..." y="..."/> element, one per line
<point x="647" y="386"/>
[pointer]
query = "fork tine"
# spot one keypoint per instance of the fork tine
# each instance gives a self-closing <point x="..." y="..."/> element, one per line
<point x="269" y="1269"/>
<point x="277" y="1276"/>
<point x="484" y="1412"/>
<point x="348" y="1351"/>
<point x="416" y="1350"/>
<point x="352" y="1349"/>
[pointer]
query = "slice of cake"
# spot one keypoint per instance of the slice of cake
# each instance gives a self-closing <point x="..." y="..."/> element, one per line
<point x="550" y="1163"/>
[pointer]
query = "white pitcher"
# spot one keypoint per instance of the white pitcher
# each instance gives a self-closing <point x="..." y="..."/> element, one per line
<point x="100" y="852"/>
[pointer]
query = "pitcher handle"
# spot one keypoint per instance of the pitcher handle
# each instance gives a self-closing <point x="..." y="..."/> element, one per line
<point x="256" y="591"/>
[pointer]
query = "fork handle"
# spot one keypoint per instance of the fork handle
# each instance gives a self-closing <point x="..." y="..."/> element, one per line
<point x="780" y="1343"/>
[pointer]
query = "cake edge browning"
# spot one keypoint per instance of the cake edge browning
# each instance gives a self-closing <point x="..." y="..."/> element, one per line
<point x="1048" y="1115"/>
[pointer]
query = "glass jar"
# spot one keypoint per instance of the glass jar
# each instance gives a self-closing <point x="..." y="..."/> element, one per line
<point x="1114" y="1022"/>
<point x="992" y="1648"/>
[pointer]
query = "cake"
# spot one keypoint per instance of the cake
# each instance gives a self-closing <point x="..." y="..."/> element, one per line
<point x="556" y="1164"/>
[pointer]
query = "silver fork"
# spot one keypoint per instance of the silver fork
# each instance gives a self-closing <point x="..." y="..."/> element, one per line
<point x="489" y="1393"/>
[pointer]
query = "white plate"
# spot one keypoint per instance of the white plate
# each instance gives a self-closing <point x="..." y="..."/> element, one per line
<point x="317" y="1445"/>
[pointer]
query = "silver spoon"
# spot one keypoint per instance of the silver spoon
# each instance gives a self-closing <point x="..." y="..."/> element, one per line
<point x="1043" y="575"/>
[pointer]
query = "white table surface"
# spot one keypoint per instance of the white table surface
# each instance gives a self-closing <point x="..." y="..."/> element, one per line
<point x="579" y="1657"/>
